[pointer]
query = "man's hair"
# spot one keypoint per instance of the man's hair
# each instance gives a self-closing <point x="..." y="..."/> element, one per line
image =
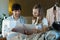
<point x="16" y="7"/>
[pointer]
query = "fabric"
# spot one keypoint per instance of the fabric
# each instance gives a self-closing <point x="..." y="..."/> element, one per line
<point x="29" y="37"/>
<point x="50" y="15"/>
<point x="45" y="22"/>
<point x="52" y="35"/>
<point x="10" y="23"/>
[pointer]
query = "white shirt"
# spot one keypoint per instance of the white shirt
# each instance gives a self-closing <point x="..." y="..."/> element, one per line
<point x="44" y="22"/>
<point x="10" y="23"/>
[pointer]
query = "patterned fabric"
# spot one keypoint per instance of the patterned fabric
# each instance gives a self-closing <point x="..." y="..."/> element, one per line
<point x="38" y="36"/>
<point x="50" y="35"/>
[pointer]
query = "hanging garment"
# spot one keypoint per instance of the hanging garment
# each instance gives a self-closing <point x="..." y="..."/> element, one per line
<point x="50" y="15"/>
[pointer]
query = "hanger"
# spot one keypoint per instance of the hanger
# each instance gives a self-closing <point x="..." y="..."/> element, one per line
<point x="56" y="4"/>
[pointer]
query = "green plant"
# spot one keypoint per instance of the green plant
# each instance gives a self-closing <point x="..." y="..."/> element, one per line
<point x="4" y="14"/>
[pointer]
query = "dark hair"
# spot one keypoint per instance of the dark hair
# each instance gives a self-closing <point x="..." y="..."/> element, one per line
<point x="16" y="7"/>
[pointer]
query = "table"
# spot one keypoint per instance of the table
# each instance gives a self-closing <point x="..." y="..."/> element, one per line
<point x="2" y="38"/>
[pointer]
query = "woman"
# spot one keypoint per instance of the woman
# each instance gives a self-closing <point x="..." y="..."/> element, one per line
<point x="38" y="19"/>
<point x="41" y="23"/>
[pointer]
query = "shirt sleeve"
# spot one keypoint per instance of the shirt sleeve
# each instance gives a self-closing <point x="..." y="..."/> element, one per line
<point x="45" y="22"/>
<point x="4" y="28"/>
<point x="23" y="20"/>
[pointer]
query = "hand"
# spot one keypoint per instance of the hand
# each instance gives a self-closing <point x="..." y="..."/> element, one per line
<point x="34" y="30"/>
<point x="27" y="32"/>
<point x="45" y="29"/>
<point x="14" y="30"/>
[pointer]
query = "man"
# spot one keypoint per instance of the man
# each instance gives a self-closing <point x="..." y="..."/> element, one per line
<point x="38" y="19"/>
<point x="10" y="23"/>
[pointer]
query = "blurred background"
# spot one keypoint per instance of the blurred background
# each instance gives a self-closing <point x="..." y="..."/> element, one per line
<point x="27" y="5"/>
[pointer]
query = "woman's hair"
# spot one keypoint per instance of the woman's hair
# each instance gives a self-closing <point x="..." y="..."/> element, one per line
<point x="40" y="10"/>
<point x="38" y="6"/>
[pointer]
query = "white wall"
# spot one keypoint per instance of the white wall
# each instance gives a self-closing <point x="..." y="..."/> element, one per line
<point x="4" y="7"/>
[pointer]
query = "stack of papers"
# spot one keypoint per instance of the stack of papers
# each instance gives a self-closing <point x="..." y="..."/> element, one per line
<point x="21" y="27"/>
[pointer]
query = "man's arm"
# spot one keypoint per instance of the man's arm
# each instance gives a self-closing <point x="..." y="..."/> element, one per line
<point x="4" y="29"/>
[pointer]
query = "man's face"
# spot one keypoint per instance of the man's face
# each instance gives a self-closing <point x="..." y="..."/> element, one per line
<point x="16" y="13"/>
<point x="35" y="12"/>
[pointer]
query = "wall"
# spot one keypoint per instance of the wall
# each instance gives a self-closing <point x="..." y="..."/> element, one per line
<point x="4" y="7"/>
<point x="27" y="5"/>
<point x="3" y="10"/>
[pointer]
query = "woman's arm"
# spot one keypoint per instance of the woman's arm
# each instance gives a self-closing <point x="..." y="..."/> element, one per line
<point x="45" y="25"/>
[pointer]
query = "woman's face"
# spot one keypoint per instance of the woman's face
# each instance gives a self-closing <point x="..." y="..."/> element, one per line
<point x="35" y="12"/>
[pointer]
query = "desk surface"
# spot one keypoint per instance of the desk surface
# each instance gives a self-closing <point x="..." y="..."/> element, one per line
<point x="2" y="38"/>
